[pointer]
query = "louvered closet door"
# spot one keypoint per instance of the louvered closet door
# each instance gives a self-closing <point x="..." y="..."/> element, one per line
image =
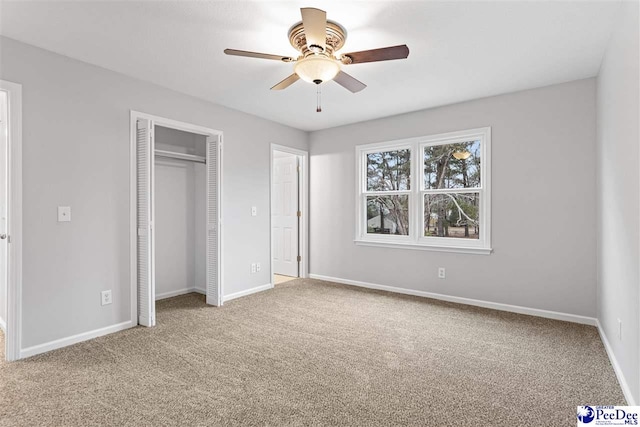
<point x="214" y="291"/>
<point x="144" y="158"/>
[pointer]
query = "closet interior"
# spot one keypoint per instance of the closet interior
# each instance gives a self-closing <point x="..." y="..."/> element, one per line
<point x="180" y="211"/>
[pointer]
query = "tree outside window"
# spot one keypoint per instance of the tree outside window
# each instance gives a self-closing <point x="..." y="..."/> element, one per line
<point x="388" y="172"/>
<point x="452" y="167"/>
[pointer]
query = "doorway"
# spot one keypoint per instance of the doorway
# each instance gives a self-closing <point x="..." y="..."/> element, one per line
<point x="180" y="212"/>
<point x="177" y="191"/>
<point x="10" y="216"/>
<point x="288" y="213"/>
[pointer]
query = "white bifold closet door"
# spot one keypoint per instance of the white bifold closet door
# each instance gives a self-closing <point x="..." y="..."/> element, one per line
<point x="214" y="293"/>
<point x="146" y="269"/>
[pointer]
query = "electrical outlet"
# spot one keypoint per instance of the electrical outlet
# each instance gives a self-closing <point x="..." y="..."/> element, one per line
<point x="258" y="267"/>
<point x="619" y="329"/>
<point x="106" y="297"/>
<point x="441" y="273"/>
<point x="253" y="268"/>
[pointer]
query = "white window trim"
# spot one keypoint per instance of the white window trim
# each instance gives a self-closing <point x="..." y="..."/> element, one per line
<point x="415" y="240"/>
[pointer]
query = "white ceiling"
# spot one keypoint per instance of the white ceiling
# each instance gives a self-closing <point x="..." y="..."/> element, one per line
<point x="459" y="50"/>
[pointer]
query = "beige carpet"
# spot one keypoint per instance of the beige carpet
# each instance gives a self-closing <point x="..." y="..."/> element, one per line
<point x="315" y="353"/>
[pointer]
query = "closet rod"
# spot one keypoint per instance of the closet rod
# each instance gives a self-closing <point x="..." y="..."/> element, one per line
<point x="181" y="156"/>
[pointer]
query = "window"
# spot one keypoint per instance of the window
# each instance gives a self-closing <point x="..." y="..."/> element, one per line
<point x="431" y="192"/>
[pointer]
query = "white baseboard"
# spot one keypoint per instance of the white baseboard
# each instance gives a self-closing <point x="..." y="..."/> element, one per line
<point x="63" y="342"/>
<point x="624" y="385"/>
<point x="175" y="293"/>
<point x="460" y="300"/>
<point x="247" y="292"/>
<point x="3" y="325"/>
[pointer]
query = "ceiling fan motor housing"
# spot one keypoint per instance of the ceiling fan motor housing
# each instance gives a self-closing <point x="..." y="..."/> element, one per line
<point x="336" y="37"/>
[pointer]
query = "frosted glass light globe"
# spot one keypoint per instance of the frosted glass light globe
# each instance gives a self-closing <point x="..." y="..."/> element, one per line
<point x="316" y="69"/>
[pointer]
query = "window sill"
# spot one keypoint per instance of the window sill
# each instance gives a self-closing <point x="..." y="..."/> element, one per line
<point x="419" y="247"/>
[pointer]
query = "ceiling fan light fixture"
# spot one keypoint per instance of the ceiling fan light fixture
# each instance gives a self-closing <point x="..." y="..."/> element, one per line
<point x="317" y="69"/>
<point x="317" y="39"/>
<point x="461" y="155"/>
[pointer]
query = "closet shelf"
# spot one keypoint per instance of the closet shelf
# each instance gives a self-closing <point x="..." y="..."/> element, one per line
<point x="181" y="156"/>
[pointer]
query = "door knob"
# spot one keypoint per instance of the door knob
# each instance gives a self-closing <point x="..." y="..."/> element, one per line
<point x="3" y="236"/>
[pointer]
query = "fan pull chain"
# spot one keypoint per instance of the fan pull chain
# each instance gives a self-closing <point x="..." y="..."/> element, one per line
<point x="319" y="103"/>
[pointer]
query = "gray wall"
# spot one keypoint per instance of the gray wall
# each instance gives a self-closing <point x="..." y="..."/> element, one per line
<point x="76" y="153"/>
<point x="175" y="232"/>
<point x="543" y="205"/>
<point x="619" y="195"/>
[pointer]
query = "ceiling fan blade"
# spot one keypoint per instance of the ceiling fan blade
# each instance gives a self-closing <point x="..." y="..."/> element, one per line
<point x="248" y="54"/>
<point x="315" y="28"/>
<point x="286" y="82"/>
<point x="373" y="55"/>
<point x="349" y="82"/>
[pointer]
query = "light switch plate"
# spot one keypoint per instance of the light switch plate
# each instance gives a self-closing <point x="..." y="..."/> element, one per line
<point x="64" y="214"/>
<point x="254" y="211"/>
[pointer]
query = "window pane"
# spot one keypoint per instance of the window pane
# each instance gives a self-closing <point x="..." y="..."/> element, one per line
<point x="389" y="170"/>
<point x="452" y="165"/>
<point x="388" y="214"/>
<point x="452" y="215"/>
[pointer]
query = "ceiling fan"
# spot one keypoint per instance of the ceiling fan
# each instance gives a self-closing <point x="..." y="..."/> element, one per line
<point x="318" y="39"/>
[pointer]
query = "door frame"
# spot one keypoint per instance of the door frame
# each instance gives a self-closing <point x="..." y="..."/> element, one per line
<point x="133" y="226"/>
<point x="13" y="327"/>
<point x="303" y="200"/>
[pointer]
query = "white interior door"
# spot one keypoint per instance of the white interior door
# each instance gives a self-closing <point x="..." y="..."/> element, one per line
<point x="284" y="215"/>
<point x="4" y="202"/>
<point x="146" y="270"/>
<point x="214" y="291"/>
